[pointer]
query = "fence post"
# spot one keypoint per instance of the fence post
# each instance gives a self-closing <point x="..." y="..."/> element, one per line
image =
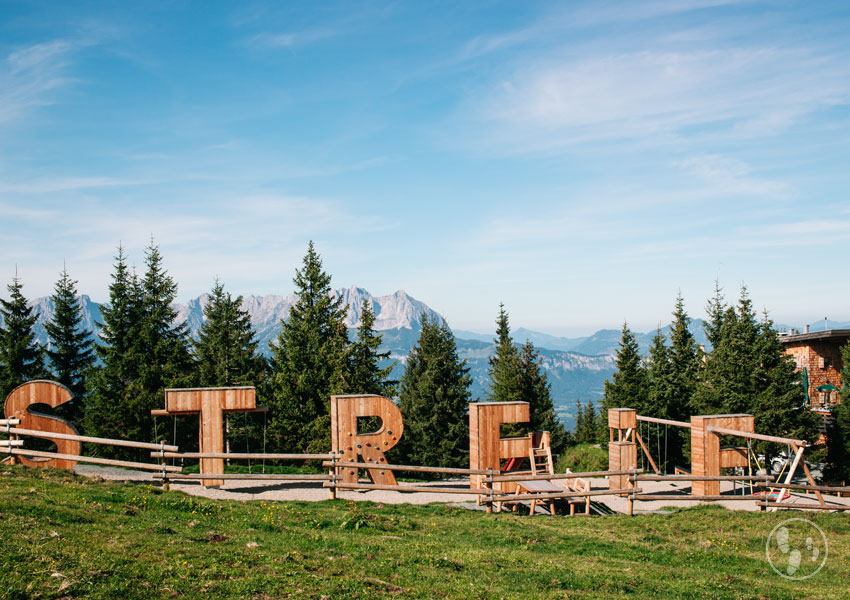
<point x="491" y="484"/>
<point x="162" y="463"/>
<point x="333" y="475"/>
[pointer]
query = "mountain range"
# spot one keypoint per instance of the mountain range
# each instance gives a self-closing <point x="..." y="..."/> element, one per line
<point x="576" y="367"/>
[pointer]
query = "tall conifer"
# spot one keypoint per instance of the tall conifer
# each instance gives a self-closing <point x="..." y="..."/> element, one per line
<point x="70" y="350"/>
<point x="226" y="349"/>
<point x="504" y="364"/>
<point x="434" y="397"/>
<point x="21" y="358"/>
<point x="628" y="386"/>
<point x="308" y="362"/>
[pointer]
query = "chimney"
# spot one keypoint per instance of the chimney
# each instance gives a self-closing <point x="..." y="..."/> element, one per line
<point x="806" y="329"/>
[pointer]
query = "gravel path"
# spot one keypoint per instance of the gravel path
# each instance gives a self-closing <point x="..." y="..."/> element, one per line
<point x="313" y="491"/>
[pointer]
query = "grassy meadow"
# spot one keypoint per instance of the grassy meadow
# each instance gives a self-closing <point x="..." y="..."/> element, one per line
<point x="65" y="536"/>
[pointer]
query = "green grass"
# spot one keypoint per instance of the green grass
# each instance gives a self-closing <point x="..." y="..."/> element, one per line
<point x="583" y="458"/>
<point x="65" y="536"/>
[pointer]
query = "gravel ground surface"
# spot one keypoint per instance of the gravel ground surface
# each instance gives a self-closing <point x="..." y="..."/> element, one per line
<point x="313" y="491"/>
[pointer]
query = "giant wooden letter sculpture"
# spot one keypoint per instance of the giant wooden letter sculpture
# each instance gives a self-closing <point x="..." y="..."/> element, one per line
<point x="486" y="447"/>
<point x="211" y="404"/>
<point x="53" y="394"/>
<point x="622" y="449"/>
<point x="707" y="457"/>
<point x="350" y="443"/>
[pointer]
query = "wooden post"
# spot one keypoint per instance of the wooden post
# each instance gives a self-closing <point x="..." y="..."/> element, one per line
<point x="53" y="394"/>
<point x="622" y="452"/>
<point x="351" y="444"/>
<point x="706" y="455"/>
<point x="210" y="403"/>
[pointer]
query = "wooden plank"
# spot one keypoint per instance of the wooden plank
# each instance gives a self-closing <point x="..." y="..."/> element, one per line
<point x="646" y="452"/>
<point x="96" y="461"/>
<point x="8" y="443"/>
<point x="546" y="477"/>
<point x="663" y="421"/>
<point x="244" y="456"/>
<point x="249" y="476"/>
<point x="5" y="422"/>
<point x="804" y="506"/>
<point x="812" y="488"/>
<point x="411" y="468"/>
<point x="411" y="488"/>
<point x="696" y="498"/>
<point x="93" y="440"/>
<point x="697" y="478"/>
<point x="756" y="436"/>
<point x="564" y="494"/>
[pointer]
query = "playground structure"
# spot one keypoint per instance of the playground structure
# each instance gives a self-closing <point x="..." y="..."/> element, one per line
<point x="494" y="478"/>
<point x="708" y="458"/>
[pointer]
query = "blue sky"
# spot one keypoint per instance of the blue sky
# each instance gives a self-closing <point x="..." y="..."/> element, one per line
<point x="581" y="162"/>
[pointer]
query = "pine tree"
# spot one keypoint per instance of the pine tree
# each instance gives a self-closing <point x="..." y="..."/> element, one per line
<point x="749" y="372"/>
<point x="365" y="375"/>
<point x="434" y="398"/>
<point x="70" y="350"/>
<point x="226" y="349"/>
<point x="21" y="358"/>
<point x="308" y="362"/>
<point x="778" y="399"/>
<point x="534" y="388"/>
<point x="628" y="387"/>
<point x="715" y="310"/>
<point x="112" y="382"/>
<point x="144" y="353"/>
<point x="504" y="364"/>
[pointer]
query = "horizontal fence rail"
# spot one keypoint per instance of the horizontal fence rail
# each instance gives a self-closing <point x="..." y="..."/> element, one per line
<point x="249" y="476"/>
<point x="756" y="436"/>
<point x="243" y="456"/>
<point x="410" y="468"/>
<point x="663" y="421"/>
<point x="91" y="440"/>
<point x="759" y="478"/>
<point x="565" y="494"/>
<point x="95" y="460"/>
<point x="5" y="422"/>
<point x="410" y="488"/>
<point x="552" y="476"/>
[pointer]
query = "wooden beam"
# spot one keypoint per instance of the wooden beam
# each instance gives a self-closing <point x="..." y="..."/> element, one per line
<point x="645" y="451"/>
<point x="756" y="436"/>
<point x="410" y="488"/>
<point x="97" y="461"/>
<point x="93" y="440"/>
<point x="698" y="478"/>
<point x="249" y="476"/>
<point x="564" y="494"/>
<point x="243" y="456"/>
<point x="499" y="478"/>
<point x="410" y="468"/>
<point x="663" y="421"/>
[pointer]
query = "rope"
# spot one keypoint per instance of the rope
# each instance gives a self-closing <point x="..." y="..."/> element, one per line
<point x="174" y="438"/>
<point x="665" y="448"/>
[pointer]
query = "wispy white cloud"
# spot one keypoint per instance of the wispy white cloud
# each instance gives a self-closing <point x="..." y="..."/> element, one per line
<point x="30" y="76"/>
<point x="661" y="95"/>
<point x="730" y="177"/>
<point x="289" y="39"/>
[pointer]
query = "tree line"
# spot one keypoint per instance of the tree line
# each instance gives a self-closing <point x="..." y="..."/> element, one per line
<point x="745" y="370"/>
<point x="118" y="377"/>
